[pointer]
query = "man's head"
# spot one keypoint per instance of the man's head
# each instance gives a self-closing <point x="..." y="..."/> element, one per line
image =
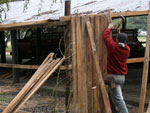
<point x="122" y="37"/>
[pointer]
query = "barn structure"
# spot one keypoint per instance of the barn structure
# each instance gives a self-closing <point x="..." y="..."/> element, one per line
<point x="84" y="50"/>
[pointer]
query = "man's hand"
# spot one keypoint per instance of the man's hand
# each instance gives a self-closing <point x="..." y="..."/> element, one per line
<point x="118" y="29"/>
<point x="110" y="26"/>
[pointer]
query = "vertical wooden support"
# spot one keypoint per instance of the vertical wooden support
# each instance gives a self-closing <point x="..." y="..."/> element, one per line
<point x="38" y="43"/>
<point x="82" y="93"/>
<point x="68" y="53"/>
<point x="145" y="69"/>
<point x="95" y="81"/>
<point x="74" y="65"/>
<point x="67" y="7"/>
<point x="15" y="58"/>
<point x="98" y="69"/>
<point x="68" y="42"/>
<point x="2" y="47"/>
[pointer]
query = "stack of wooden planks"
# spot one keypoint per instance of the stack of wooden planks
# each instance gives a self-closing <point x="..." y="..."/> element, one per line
<point x="40" y="76"/>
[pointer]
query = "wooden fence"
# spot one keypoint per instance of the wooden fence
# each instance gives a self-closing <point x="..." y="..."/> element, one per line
<point x="87" y="93"/>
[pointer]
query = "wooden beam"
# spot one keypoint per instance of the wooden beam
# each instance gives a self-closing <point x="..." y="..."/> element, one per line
<point x="98" y="69"/>
<point x="135" y="60"/>
<point x="130" y="13"/>
<point x="20" y="66"/>
<point x="145" y="68"/>
<point x="115" y="14"/>
<point x="2" y="47"/>
<point x="34" y="24"/>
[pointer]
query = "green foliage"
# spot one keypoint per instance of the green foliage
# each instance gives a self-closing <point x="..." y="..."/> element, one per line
<point x="139" y="22"/>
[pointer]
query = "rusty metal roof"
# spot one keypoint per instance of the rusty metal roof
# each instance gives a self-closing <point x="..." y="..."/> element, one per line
<point x="45" y="9"/>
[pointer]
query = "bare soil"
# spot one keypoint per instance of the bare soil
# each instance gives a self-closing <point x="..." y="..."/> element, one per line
<point x="49" y="99"/>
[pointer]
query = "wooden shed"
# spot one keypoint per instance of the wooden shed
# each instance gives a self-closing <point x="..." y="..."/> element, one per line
<point x="86" y="57"/>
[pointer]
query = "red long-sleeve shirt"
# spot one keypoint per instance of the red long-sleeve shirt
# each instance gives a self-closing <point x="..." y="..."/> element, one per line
<point x="117" y="56"/>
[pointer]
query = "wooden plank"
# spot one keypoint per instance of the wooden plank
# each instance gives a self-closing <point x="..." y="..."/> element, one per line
<point x="96" y="84"/>
<point x="145" y="68"/>
<point x="29" y="85"/>
<point x="84" y="63"/>
<point x="135" y="60"/>
<point x="52" y="67"/>
<point x="105" y="25"/>
<point x="74" y="65"/>
<point x="130" y="13"/>
<point x="34" y="24"/>
<point x="100" y="78"/>
<point x="20" y="66"/>
<point x="82" y="106"/>
<point x="114" y="14"/>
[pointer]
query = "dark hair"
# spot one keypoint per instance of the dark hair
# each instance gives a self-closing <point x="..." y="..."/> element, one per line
<point x="122" y="37"/>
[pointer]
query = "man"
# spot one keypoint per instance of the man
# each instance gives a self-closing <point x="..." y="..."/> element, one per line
<point x="118" y="53"/>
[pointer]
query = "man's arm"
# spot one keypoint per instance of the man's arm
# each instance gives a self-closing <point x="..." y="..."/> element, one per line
<point x="108" y="39"/>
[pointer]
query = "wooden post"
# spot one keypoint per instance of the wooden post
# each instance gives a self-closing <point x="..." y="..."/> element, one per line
<point x="74" y="64"/>
<point x="67" y="7"/>
<point x="145" y="68"/>
<point x="15" y="58"/>
<point x="2" y="47"/>
<point x="38" y="43"/>
<point x="67" y="42"/>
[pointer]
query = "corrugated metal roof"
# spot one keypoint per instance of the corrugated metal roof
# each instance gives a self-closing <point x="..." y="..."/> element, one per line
<point x="46" y="9"/>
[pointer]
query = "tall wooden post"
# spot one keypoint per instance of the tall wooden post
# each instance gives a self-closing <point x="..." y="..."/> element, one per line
<point x="67" y="7"/>
<point x="38" y="42"/>
<point x="15" y="58"/>
<point x="2" y="47"/>
<point x="145" y="68"/>
<point x="67" y="42"/>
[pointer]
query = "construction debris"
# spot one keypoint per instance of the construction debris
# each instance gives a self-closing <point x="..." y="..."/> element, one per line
<point x="40" y="76"/>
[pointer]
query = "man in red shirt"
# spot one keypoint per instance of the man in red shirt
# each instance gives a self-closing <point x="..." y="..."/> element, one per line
<point x="118" y="53"/>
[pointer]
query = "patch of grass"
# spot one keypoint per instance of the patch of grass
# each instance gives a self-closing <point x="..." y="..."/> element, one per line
<point x="5" y="99"/>
<point x="8" y="49"/>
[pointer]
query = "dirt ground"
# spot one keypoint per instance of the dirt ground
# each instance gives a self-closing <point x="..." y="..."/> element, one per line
<point x="51" y="99"/>
<point x="45" y="100"/>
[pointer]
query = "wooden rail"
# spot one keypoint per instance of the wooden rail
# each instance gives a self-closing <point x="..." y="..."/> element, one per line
<point x="135" y="60"/>
<point x="69" y="67"/>
<point x="19" y="66"/>
<point x="21" y="25"/>
<point x="115" y="14"/>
